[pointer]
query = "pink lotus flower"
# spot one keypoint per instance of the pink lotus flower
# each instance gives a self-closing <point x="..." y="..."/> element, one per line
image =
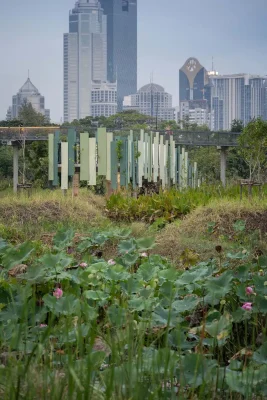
<point x="249" y="290"/>
<point x="83" y="265"/>
<point x="144" y="255"/>
<point x="58" y="293"/>
<point x="42" y="325"/>
<point x="111" y="262"/>
<point x="247" y="306"/>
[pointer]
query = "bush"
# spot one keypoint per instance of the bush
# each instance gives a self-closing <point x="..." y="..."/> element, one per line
<point x="170" y="204"/>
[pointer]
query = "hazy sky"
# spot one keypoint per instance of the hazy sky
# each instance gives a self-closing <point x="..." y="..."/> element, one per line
<point x="169" y="31"/>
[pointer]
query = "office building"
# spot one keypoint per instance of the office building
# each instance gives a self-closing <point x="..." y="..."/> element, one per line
<point x="195" y="92"/>
<point x="151" y="100"/>
<point x="30" y="94"/>
<point x="193" y="78"/>
<point x="103" y="99"/>
<point x="239" y="96"/>
<point x="85" y="57"/>
<point x="121" y="45"/>
<point x="196" y="112"/>
<point x="9" y="114"/>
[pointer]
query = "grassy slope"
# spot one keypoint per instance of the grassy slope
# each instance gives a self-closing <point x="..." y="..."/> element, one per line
<point x="45" y="212"/>
<point x="193" y="231"/>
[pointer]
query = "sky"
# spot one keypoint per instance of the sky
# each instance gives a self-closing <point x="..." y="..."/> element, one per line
<point x="234" y="32"/>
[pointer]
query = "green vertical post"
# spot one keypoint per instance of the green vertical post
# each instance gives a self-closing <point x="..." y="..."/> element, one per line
<point x="56" y="143"/>
<point x="190" y="173"/>
<point x="129" y="161"/>
<point x="84" y="156"/>
<point x="102" y="151"/>
<point x="134" y="164"/>
<point x="124" y="164"/>
<point x="71" y="151"/>
<point x="51" y="157"/>
<point x="114" y="165"/>
<point x="92" y="161"/>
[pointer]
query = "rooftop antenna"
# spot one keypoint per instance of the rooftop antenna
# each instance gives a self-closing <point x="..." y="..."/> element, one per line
<point x="151" y="95"/>
<point x="28" y="74"/>
<point x="212" y="65"/>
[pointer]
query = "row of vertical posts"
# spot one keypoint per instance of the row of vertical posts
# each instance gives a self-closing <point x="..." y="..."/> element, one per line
<point x="123" y="161"/>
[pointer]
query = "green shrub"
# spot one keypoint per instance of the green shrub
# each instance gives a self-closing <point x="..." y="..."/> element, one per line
<point x="169" y="204"/>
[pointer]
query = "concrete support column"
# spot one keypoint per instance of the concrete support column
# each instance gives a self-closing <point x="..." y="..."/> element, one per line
<point x="15" y="168"/>
<point x="223" y="152"/>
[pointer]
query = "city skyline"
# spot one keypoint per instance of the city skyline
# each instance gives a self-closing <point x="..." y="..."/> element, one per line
<point x="232" y="33"/>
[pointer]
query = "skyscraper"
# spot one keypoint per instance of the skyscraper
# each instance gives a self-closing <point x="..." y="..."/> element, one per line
<point x="193" y="78"/>
<point x="29" y="93"/>
<point x="195" y="93"/>
<point x="85" y="57"/>
<point x="122" y="45"/>
<point x="239" y="96"/>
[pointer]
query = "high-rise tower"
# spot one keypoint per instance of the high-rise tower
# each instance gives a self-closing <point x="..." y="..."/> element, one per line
<point x="30" y="94"/>
<point x="85" y="57"/>
<point x="193" y="78"/>
<point x="122" y="45"/>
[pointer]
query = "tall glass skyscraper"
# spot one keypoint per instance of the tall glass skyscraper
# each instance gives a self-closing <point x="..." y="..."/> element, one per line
<point x="85" y="57"/>
<point x="122" y="45"/>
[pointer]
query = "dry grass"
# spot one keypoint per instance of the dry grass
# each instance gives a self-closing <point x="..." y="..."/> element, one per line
<point x="224" y="213"/>
<point x="192" y="232"/>
<point x="171" y="242"/>
<point x="47" y="211"/>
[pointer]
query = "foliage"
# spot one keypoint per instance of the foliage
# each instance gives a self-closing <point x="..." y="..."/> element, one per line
<point x="237" y="126"/>
<point x="168" y="204"/>
<point x="236" y="166"/>
<point x="6" y="161"/>
<point x="208" y="160"/>
<point x="29" y="117"/>
<point x="11" y="123"/>
<point x="37" y="163"/>
<point x="76" y="326"/>
<point x="253" y="147"/>
<point x="168" y="126"/>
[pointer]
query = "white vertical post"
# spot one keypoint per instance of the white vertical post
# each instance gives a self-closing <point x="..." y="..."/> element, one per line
<point x="161" y="161"/>
<point x="64" y="165"/>
<point x="156" y="158"/>
<point x="186" y="168"/>
<point x="140" y="162"/>
<point x="109" y="140"/>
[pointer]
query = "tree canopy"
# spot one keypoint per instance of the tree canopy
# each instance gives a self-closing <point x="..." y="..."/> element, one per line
<point x="253" y="147"/>
<point x="29" y="117"/>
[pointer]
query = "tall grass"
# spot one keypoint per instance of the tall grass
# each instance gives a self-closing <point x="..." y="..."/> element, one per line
<point x="171" y="204"/>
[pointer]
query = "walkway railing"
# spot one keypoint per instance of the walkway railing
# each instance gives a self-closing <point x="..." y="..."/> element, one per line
<point x="220" y="139"/>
